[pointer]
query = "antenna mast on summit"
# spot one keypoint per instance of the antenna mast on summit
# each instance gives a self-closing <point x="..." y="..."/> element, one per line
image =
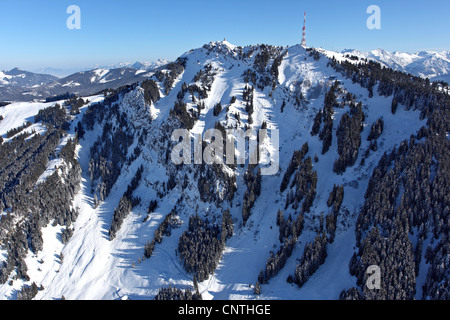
<point x="304" y="32"/>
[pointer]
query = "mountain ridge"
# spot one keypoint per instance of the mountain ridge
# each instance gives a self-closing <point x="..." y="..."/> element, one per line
<point x="434" y="65"/>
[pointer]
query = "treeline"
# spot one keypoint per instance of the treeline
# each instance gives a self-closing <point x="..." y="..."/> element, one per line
<point x="22" y="162"/>
<point x="376" y="130"/>
<point x="50" y="201"/>
<point x="205" y="78"/>
<point x="110" y="152"/>
<point x="198" y="91"/>
<point x="303" y="187"/>
<point x="96" y="113"/>
<point x="314" y="253"/>
<point x="29" y="292"/>
<point x="185" y="116"/>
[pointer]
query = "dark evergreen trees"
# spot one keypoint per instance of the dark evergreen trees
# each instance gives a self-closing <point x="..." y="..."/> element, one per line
<point x="80" y="130"/>
<point x="334" y="202"/>
<point x="303" y="187"/>
<point x="126" y="204"/>
<point x="28" y="292"/>
<point x="289" y="232"/>
<point x="248" y="97"/>
<point x="314" y="255"/>
<point x="55" y="116"/>
<point x="349" y="138"/>
<point x="253" y="182"/>
<point x="151" y="91"/>
<point x="326" y="134"/>
<point x="376" y="130"/>
<point x="164" y="229"/>
<point x="394" y="105"/>
<point x="405" y="202"/>
<point x="294" y="164"/>
<point x="172" y="293"/>
<point x="217" y="109"/>
<point x="110" y="151"/>
<point x="172" y="71"/>
<point x="184" y="116"/>
<point x="22" y="162"/>
<point x="201" y="245"/>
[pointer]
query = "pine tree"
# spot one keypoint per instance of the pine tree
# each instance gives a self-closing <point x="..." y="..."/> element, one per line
<point x="394" y="105"/>
<point x="257" y="289"/>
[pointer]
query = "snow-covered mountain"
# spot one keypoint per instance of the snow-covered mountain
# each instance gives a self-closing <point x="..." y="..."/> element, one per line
<point x="434" y="65"/>
<point x="130" y="222"/>
<point x="21" y="78"/>
<point x="136" y="65"/>
<point x="64" y="72"/>
<point x="88" y="82"/>
<point x="95" y="80"/>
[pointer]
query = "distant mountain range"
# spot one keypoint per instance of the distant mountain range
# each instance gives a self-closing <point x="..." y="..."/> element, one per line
<point x="434" y="65"/>
<point x="18" y="85"/>
<point x="64" y="72"/>
<point x="20" y="78"/>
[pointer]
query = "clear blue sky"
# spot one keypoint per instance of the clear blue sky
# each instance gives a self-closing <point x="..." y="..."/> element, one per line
<point x="33" y="34"/>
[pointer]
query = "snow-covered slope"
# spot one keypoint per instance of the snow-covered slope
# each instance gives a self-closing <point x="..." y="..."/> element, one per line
<point x="95" y="267"/>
